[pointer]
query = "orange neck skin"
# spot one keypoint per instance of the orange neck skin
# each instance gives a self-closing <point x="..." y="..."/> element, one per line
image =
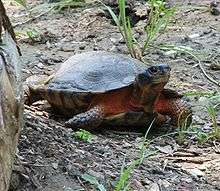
<point x="146" y="98"/>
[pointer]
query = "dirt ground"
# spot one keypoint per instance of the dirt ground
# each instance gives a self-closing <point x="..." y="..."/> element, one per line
<point x="50" y="158"/>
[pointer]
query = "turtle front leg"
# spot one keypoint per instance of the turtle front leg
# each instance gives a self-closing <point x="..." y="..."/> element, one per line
<point x="178" y="109"/>
<point x="87" y="120"/>
<point x="180" y="112"/>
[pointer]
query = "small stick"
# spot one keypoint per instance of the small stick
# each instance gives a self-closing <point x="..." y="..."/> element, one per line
<point x="81" y="183"/>
<point x="33" y="18"/>
<point x="206" y="75"/>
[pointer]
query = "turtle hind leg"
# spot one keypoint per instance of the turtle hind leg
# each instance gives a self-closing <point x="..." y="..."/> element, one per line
<point x="87" y="120"/>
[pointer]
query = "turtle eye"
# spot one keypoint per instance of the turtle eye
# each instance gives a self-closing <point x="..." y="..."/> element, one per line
<point x="153" y="70"/>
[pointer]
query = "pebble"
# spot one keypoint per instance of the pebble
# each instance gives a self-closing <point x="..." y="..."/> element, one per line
<point x="196" y="172"/>
<point x="40" y="65"/>
<point x="154" y="187"/>
<point x="195" y="35"/>
<point x="54" y="165"/>
<point x="98" y="175"/>
<point x="171" y="54"/>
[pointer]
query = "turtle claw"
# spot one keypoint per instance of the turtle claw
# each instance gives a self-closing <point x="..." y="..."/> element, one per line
<point x="87" y="120"/>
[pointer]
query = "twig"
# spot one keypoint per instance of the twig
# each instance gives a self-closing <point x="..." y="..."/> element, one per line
<point x="81" y="183"/>
<point x="33" y="18"/>
<point x="206" y="75"/>
<point x="203" y="70"/>
<point x="123" y="133"/>
<point x="217" y="148"/>
<point x="35" y="165"/>
<point x="195" y="160"/>
<point x="199" y="64"/>
<point x="194" y="152"/>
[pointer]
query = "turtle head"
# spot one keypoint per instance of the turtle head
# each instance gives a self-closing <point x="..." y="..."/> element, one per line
<point x="150" y="83"/>
<point x="154" y="75"/>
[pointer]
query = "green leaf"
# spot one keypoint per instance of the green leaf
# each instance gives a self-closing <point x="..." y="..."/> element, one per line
<point x="113" y="15"/>
<point x="22" y="3"/>
<point x="83" y="135"/>
<point x="92" y="180"/>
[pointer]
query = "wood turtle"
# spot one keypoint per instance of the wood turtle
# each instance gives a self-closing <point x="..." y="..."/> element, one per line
<point x="100" y="87"/>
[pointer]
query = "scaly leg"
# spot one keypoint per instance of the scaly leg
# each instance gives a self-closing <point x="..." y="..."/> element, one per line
<point x="176" y="106"/>
<point x="178" y="109"/>
<point x="87" y="120"/>
<point x="181" y="112"/>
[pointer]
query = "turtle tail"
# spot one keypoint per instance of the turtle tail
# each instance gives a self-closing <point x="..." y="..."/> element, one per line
<point x="31" y="95"/>
<point x="87" y="120"/>
<point x="33" y="88"/>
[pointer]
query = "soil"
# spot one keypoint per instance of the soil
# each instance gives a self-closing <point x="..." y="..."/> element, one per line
<point x="51" y="158"/>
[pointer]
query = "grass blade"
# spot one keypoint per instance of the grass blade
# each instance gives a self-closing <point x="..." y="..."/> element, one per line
<point x="123" y="184"/>
<point x="22" y="3"/>
<point x="92" y="180"/>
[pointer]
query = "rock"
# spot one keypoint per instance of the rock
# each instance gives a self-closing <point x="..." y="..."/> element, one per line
<point x="54" y="165"/>
<point x="214" y="9"/>
<point x="154" y="187"/>
<point x="171" y="54"/>
<point x="117" y="38"/>
<point x="166" y="149"/>
<point x="137" y="185"/>
<point x="165" y="183"/>
<point x="98" y="175"/>
<point x="195" y="35"/>
<point x="195" y="172"/>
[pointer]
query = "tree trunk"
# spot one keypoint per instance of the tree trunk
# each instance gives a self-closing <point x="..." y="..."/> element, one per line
<point x="11" y="100"/>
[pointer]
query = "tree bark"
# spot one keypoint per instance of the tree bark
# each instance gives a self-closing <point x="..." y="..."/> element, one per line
<point x="11" y="100"/>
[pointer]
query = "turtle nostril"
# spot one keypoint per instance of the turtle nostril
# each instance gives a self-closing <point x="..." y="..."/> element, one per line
<point x="165" y="68"/>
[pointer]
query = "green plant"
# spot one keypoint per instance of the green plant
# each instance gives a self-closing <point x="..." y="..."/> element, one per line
<point x="197" y="133"/>
<point x="158" y="20"/>
<point x="199" y="93"/>
<point x="92" y="180"/>
<point x="211" y="101"/>
<point x="23" y="3"/>
<point x="124" y="26"/>
<point x="32" y="34"/>
<point x="83" y="135"/>
<point x="202" y="137"/>
<point x="68" y="4"/>
<point x="215" y="133"/>
<point x="181" y="129"/>
<point x="123" y="183"/>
